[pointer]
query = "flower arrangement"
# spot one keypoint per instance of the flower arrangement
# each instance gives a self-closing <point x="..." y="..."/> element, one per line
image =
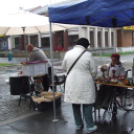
<point x="59" y="49"/>
<point x="118" y="79"/>
<point x="99" y="78"/>
<point x="113" y="69"/>
<point x="129" y="82"/>
<point x="113" y="79"/>
<point x="126" y="82"/>
<point x="104" y="68"/>
<point x="121" y="78"/>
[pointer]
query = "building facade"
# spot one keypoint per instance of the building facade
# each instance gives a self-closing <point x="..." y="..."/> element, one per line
<point x="101" y="39"/>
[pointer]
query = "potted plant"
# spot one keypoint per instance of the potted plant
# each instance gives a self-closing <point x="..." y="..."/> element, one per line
<point x="59" y="52"/>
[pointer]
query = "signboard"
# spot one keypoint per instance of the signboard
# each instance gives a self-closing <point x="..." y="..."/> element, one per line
<point x="129" y="27"/>
<point x="2" y="35"/>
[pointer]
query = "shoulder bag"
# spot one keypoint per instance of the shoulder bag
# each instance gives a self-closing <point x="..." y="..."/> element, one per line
<point x="73" y="66"/>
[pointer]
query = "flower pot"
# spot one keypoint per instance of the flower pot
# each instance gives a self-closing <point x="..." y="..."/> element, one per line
<point x="56" y="55"/>
<point x="62" y="54"/>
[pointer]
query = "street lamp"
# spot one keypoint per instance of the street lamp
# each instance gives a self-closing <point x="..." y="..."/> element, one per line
<point x="23" y="28"/>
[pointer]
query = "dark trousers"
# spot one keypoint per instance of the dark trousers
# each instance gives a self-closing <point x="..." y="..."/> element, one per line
<point x="45" y="82"/>
<point x="103" y="97"/>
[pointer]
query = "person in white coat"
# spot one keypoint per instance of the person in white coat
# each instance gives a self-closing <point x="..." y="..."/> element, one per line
<point x="79" y="87"/>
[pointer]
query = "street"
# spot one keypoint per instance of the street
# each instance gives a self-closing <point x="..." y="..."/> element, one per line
<point x="21" y="120"/>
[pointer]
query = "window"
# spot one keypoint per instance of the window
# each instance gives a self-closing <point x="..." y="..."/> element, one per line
<point x="99" y="39"/>
<point x="17" y="42"/>
<point x="112" y="38"/>
<point x="106" y="39"/>
<point x="91" y="39"/>
<point x="34" y="40"/>
<point x="0" y="46"/>
<point x="45" y="42"/>
<point x="60" y="39"/>
<point x="132" y="38"/>
<point x="73" y="39"/>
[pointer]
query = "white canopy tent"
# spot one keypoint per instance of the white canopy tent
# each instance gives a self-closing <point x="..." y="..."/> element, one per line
<point x="22" y="23"/>
<point x="12" y="24"/>
<point x="11" y="31"/>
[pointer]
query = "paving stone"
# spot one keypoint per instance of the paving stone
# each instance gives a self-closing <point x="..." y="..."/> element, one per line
<point x="9" y="104"/>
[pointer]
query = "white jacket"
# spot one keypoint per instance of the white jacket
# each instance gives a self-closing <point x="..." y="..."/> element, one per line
<point x="79" y="88"/>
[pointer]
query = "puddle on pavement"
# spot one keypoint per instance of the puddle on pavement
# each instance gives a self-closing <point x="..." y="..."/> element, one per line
<point x="6" y="72"/>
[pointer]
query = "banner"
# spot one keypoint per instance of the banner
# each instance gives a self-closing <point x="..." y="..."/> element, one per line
<point x="129" y="27"/>
<point x="2" y="35"/>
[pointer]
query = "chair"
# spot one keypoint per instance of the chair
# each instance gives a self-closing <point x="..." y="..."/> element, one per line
<point x="20" y="85"/>
<point x="125" y="97"/>
<point x="59" y="80"/>
<point x="127" y="72"/>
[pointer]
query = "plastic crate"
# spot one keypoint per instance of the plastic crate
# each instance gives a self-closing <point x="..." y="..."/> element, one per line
<point x="35" y="68"/>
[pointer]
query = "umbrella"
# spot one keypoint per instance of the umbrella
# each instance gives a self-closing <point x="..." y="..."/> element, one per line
<point x="10" y="31"/>
<point x="22" y="23"/>
<point x="12" y="24"/>
<point x="23" y="19"/>
<point x="26" y="23"/>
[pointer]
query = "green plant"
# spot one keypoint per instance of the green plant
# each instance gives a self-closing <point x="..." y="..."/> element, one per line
<point x="94" y="54"/>
<point x="6" y="64"/>
<point x="108" y="55"/>
<point x="3" y="52"/>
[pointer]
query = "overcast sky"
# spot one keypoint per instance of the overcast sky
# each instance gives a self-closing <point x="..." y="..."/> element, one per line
<point x="9" y="6"/>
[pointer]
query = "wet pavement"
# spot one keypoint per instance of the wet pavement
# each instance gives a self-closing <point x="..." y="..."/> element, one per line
<point x="21" y="120"/>
<point x="42" y="123"/>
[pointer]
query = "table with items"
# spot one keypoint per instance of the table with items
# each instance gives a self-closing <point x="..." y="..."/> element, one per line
<point x="24" y="84"/>
<point x="122" y="93"/>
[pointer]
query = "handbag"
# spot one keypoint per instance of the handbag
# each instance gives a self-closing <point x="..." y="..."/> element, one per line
<point x="73" y="66"/>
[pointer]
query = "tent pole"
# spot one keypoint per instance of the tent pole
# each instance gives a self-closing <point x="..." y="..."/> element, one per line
<point x="25" y="42"/>
<point x="52" y="72"/>
<point x="114" y="45"/>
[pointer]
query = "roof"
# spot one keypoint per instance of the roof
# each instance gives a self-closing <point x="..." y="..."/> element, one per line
<point x="44" y="9"/>
<point x="33" y="9"/>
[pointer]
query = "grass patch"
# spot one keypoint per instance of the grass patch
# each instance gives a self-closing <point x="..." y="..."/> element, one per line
<point x="4" y="52"/>
<point x="6" y="64"/>
<point x="108" y="55"/>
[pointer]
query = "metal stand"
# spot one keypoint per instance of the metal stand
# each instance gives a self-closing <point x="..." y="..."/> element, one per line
<point x="25" y="95"/>
<point x="51" y="50"/>
<point x="112" y="105"/>
<point x="25" y="42"/>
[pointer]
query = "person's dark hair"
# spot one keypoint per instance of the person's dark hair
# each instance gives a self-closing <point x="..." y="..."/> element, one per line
<point x="83" y="42"/>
